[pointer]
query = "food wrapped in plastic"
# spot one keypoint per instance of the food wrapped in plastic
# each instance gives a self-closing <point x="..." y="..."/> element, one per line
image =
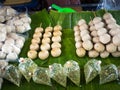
<point x="73" y="71"/>
<point x="118" y="71"/>
<point x="3" y="64"/>
<point x="13" y="75"/>
<point x="42" y="76"/>
<point x="58" y="73"/>
<point x="108" y="73"/>
<point x="26" y="67"/>
<point x="92" y="69"/>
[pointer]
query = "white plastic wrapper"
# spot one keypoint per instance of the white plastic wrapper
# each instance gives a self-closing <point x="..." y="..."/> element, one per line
<point x="73" y="71"/>
<point x="58" y="73"/>
<point x="91" y="69"/>
<point x="42" y="76"/>
<point x="26" y="67"/>
<point x="108" y="73"/>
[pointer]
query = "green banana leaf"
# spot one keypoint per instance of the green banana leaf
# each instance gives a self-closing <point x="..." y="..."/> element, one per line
<point x="67" y="20"/>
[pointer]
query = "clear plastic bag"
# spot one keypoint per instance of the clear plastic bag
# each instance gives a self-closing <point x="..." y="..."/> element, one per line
<point x="13" y="75"/>
<point x="92" y="69"/>
<point x="109" y="4"/>
<point x="108" y="73"/>
<point x="26" y="67"/>
<point x="73" y="71"/>
<point x="42" y="76"/>
<point x="58" y="73"/>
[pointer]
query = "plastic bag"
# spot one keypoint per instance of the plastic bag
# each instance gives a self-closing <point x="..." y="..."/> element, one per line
<point x="26" y="67"/>
<point x="58" y="73"/>
<point x="73" y="71"/>
<point x="13" y="75"/>
<point x="108" y="73"/>
<point x="91" y="69"/>
<point x="42" y="76"/>
<point x="109" y="4"/>
<point x="118" y="71"/>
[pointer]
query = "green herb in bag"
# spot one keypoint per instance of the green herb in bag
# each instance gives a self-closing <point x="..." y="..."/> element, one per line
<point x="13" y="75"/>
<point x="92" y="69"/>
<point x="26" y="67"/>
<point x="108" y="73"/>
<point x="58" y="73"/>
<point x="42" y="76"/>
<point x="73" y="71"/>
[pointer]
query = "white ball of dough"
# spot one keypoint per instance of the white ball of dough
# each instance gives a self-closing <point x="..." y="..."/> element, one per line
<point x="35" y="40"/>
<point x="34" y="46"/>
<point x="45" y="46"/>
<point x="78" y="44"/>
<point x="116" y="39"/>
<point x="104" y="54"/>
<point x="37" y="35"/>
<point x="56" y="45"/>
<point x="80" y="52"/>
<point x="43" y="54"/>
<point x="87" y="45"/>
<point x="105" y="38"/>
<point x="57" y="33"/>
<point x="47" y="34"/>
<point x="93" y="53"/>
<point x="56" y="39"/>
<point x="46" y="40"/>
<point x="99" y="47"/>
<point x="56" y="52"/>
<point x="111" y="48"/>
<point x="32" y="54"/>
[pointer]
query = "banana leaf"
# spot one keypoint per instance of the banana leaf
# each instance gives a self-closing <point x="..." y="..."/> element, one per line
<point x="67" y="20"/>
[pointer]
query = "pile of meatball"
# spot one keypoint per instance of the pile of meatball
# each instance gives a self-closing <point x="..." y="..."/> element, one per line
<point x="100" y="37"/>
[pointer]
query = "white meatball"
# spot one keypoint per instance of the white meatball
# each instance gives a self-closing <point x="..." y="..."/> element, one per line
<point x="56" y="39"/>
<point x="11" y="56"/>
<point x="112" y="25"/>
<point x="87" y="45"/>
<point x="95" y="39"/>
<point x="80" y="52"/>
<point x="105" y="38"/>
<point x="99" y="47"/>
<point x="57" y="27"/>
<point x="83" y="32"/>
<point x="83" y="27"/>
<point x="46" y="40"/>
<point x="56" y="52"/>
<point x="35" y="40"/>
<point x="2" y="55"/>
<point x="39" y="30"/>
<point x="19" y="43"/>
<point x="43" y="54"/>
<point x="81" y="21"/>
<point x="114" y="31"/>
<point x="111" y="48"/>
<point x="86" y="37"/>
<point x="77" y="38"/>
<point x="116" y="54"/>
<point x="47" y="34"/>
<point x="56" y="45"/>
<point x="94" y="33"/>
<point x="99" y="25"/>
<point x="97" y="20"/>
<point x="110" y="20"/>
<point x="45" y="46"/>
<point x="76" y="28"/>
<point x="101" y="31"/>
<point x="104" y="54"/>
<point x="57" y="33"/>
<point x="93" y="53"/>
<point x="107" y="16"/>
<point x="77" y="33"/>
<point x="78" y="44"/>
<point x="49" y="29"/>
<point x="116" y="39"/>
<point x="92" y="28"/>
<point x="37" y="35"/>
<point x="6" y="48"/>
<point x="32" y="54"/>
<point x="34" y="46"/>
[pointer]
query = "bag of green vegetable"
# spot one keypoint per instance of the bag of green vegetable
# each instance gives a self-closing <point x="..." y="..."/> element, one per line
<point x="58" y="73"/>
<point x="108" y="73"/>
<point x="92" y="69"/>
<point x="73" y="71"/>
<point x="26" y="67"/>
<point x="12" y="74"/>
<point x="42" y="76"/>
